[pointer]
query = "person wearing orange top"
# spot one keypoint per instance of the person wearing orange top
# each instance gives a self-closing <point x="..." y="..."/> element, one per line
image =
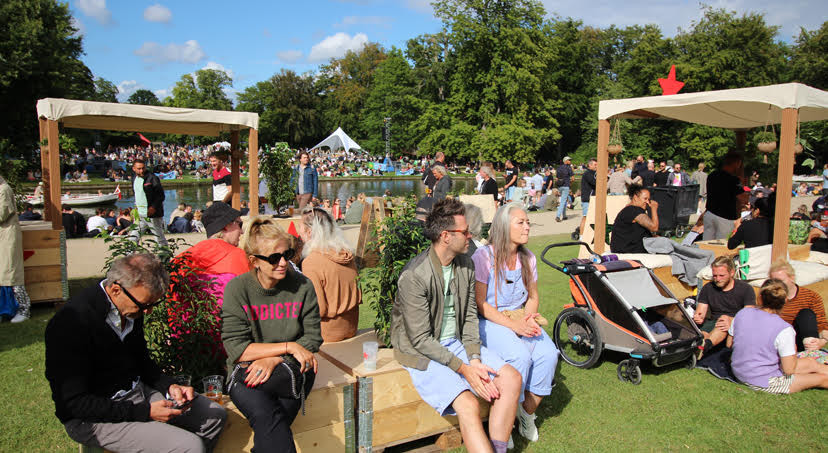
<point x="804" y="309"/>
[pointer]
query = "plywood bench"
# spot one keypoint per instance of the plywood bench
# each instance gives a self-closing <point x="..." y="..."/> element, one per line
<point x="328" y="423"/>
<point x="44" y="262"/>
<point x="389" y="409"/>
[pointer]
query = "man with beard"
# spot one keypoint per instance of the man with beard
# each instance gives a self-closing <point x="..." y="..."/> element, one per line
<point x="720" y="300"/>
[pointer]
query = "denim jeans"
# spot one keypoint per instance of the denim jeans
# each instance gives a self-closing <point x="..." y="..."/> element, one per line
<point x="564" y="197"/>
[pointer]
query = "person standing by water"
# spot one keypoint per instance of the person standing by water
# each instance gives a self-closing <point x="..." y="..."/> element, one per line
<point x="149" y="200"/>
<point x="12" y="290"/>
<point x="222" y="179"/>
<point x="511" y="176"/>
<point x="305" y="181"/>
<point x="428" y="174"/>
<point x="564" y="174"/>
<point x="444" y="182"/>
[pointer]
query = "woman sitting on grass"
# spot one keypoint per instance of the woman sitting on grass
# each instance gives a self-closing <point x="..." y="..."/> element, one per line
<point x="764" y="347"/>
<point x="270" y="330"/>
<point x="506" y="291"/>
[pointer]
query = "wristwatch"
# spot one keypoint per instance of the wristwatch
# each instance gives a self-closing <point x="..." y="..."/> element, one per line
<point x="474" y="357"/>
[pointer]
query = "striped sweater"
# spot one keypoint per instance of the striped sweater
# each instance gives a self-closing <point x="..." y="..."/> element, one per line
<point x="805" y="298"/>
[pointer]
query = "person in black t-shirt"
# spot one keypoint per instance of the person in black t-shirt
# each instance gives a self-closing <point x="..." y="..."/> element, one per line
<point x="588" y="183"/>
<point x="662" y="175"/>
<point x="73" y="223"/>
<point x="725" y="197"/>
<point x="647" y="175"/>
<point x="489" y="186"/>
<point x="511" y="177"/>
<point x="639" y="167"/>
<point x="720" y="300"/>
<point x="639" y="219"/>
<point x="756" y="231"/>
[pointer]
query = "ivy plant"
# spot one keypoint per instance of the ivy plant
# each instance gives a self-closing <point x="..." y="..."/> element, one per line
<point x="276" y="170"/>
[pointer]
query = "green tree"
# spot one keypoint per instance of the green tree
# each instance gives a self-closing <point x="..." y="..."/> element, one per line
<point x="143" y="96"/>
<point x="204" y="91"/>
<point x="105" y="91"/>
<point x="39" y="57"/>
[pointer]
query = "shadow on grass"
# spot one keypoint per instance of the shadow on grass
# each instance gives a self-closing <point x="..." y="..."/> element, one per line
<point x="14" y="336"/>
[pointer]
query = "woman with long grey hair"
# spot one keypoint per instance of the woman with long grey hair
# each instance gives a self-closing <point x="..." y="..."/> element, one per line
<point x="329" y="263"/>
<point x="443" y="184"/>
<point x="506" y="290"/>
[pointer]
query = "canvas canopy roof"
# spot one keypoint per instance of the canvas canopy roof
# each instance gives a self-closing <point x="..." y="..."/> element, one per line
<point x="738" y="109"/>
<point x="339" y="139"/>
<point x="144" y="118"/>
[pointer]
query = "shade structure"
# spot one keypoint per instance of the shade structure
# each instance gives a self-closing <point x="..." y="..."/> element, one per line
<point x="144" y="118"/>
<point x="338" y="140"/>
<point x="53" y="112"/>
<point x="737" y="109"/>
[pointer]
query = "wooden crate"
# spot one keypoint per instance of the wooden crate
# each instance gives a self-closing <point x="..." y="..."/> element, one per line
<point x="328" y="423"/>
<point x="389" y="409"/>
<point x="44" y="262"/>
<point x="796" y="252"/>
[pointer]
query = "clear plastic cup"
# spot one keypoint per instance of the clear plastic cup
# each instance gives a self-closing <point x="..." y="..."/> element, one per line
<point x="213" y="386"/>
<point x="369" y="354"/>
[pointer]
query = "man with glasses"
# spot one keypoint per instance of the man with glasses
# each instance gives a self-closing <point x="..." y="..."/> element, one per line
<point x="435" y="333"/>
<point x="107" y="391"/>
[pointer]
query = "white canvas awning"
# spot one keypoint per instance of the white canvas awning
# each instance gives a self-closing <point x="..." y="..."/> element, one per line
<point x="339" y="139"/>
<point x="739" y="109"/>
<point x="144" y="118"/>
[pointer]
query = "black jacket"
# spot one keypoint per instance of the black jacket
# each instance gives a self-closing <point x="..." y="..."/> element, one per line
<point x="86" y="363"/>
<point x="154" y="192"/>
<point x="564" y="174"/>
<point x="588" y="182"/>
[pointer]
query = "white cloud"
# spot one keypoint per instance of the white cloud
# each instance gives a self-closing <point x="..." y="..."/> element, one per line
<point x="78" y="25"/>
<point x="377" y="21"/>
<point x="158" y="13"/>
<point x="422" y="6"/>
<point x="162" y="93"/>
<point x="218" y="67"/>
<point x="336" y="46"/>
<point x="96" y="9"/>
<point x="290" y="56"/>
<point x="154" y="53"/>
<point x="126" y="88"/>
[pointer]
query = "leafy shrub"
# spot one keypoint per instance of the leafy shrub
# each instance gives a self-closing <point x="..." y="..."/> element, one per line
<point x="275" y="167"/>
<point x="399" y="238"/>
<point x="764" y="137"/>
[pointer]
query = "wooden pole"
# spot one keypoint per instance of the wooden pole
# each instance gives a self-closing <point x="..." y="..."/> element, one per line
<point x="601" y="186"/>
<point x="235" y="163"/>
<point x="53" y="175"/>
<point x="44" y="168"/>
<point x="741" y="139"/>
<point x="784" y="183"/>
<point x="253" y="162"/>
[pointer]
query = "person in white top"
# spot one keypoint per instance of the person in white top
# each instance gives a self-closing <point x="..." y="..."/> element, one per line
<point x="97" y="223"/>
<point x="537" y="186"/>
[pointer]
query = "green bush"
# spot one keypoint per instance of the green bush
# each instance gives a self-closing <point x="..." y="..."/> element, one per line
<point x="275" y="167"/>
<point x="399" y="238"/>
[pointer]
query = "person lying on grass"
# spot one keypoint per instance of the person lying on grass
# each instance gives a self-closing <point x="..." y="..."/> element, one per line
<point x="764" y="347"/>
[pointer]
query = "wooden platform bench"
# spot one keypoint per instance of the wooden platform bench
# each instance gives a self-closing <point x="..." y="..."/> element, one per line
<point x="44" y="262"/>
<point x="327" y="426"/>
<point x="389" y="409"/>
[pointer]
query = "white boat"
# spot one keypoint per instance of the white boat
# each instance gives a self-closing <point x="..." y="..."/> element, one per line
<point x="84" y="199"/>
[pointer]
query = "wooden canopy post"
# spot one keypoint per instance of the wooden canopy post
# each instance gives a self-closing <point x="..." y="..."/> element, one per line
<point x="601" y="187"/>
<point x="235" y="164"/>
<point x="784" y="184"/>
<point x="253" y="174"/>
<point x="50" y="167"/>
<point x="741" y="140"/>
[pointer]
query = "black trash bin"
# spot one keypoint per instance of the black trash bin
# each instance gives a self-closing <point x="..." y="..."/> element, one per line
<point x="675" y="206"/>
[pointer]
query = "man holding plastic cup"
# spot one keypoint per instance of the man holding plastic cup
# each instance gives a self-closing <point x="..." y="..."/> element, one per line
<point x="435" y="333"/>
<point x="107" y="391"/>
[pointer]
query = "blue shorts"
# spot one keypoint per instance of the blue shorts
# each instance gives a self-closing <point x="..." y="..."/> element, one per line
<point x="439" y="386"/>
<point x="584" y="208"/>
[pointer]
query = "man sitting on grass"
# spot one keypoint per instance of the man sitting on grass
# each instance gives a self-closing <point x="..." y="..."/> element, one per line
<point x="107" y="391"/>
<point x="720" y="300"/>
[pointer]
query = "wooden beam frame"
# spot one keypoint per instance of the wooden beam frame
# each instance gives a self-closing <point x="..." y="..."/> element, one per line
<point x="235" y="165"/>
<point x="784" y="183"/>
<point x="50" y="166"/>
<point x="253" y="173"/>
<point x="601" y="186"/>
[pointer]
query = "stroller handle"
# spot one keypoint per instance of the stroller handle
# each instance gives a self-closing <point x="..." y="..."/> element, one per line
<point x="562" y="244"/>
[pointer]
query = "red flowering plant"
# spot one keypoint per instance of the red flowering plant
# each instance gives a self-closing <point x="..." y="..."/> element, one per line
<point x="183" y="332"/>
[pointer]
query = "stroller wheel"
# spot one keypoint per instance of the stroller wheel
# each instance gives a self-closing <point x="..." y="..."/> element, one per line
<point x="577" y="337"/>
<point x="628" y="370"/>
<point x="691" y="363"/>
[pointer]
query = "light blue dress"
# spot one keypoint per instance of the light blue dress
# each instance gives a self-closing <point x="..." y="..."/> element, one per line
<point x="536" y="358"/>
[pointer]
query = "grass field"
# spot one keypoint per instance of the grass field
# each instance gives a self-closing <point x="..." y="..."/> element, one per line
<point x="674" y="409"/>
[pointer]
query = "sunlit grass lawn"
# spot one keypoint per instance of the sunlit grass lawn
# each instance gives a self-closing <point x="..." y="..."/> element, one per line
<point x="674" y="409"/>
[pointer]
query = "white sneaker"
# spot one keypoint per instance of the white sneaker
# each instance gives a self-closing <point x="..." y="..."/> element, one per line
<point x="511" y="444"/>
<point x="526" y="424"/>
<point x="19" y="318"/>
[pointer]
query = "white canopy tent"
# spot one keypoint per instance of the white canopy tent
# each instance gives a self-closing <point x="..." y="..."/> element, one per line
<point x="53" y="112"/>
<point x="738" y="109"/>
<point x="339" y="139"/>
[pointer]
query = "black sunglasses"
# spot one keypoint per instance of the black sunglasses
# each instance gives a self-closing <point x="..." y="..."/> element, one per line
<point x="276" y="258"/>
<point x="141" y="306"/>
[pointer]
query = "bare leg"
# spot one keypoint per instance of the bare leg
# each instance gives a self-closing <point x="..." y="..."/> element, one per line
<point x="471" y="428"/>
<point x="808" y="381"/>
<point x="531" y="402"/>
<point x="502" y="414"/>
<point x="810" y="365"/>
<point x="583" y="224"/>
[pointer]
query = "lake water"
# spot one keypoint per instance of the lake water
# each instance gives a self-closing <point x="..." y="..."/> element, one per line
<point x="198" y="196"/>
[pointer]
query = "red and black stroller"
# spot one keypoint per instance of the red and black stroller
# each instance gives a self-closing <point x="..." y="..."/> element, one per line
<point x="621" y="306"/>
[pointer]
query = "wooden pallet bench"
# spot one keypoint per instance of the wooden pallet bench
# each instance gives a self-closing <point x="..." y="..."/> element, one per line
<point x="389" y="409"/>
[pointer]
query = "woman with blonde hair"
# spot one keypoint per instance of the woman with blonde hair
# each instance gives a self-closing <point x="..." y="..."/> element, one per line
<point x="270" y="330"/>
<point x="329" y="263"/>
<point x="506" y="290"/>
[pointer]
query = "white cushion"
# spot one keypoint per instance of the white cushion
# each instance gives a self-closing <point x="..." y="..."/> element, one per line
<point x="818" y="257"/>
<point x="650" y="260"/>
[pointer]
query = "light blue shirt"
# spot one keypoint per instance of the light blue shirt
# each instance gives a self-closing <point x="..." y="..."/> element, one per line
<point x="113" y="318"/>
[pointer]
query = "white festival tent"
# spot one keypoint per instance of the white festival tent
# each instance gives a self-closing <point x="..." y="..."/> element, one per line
<point x="339" y="139"/>
<point x="738" y="109"/>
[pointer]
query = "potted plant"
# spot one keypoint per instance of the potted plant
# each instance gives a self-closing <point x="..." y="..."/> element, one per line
<point x="615" y="146"/>
<point x="800" y="145"/>
<point x="765" y="141"/>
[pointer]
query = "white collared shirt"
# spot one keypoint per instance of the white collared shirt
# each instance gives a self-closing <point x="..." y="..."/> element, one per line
<point x="113" y="318"/>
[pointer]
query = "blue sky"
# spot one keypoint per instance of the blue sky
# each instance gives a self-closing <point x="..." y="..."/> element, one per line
<point x="151" y="44"/>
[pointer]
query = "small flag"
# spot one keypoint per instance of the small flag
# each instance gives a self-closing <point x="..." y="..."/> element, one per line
<point x="292" y="230"/>
<point x="144" y="139"/>
<point x="118" y="191"/>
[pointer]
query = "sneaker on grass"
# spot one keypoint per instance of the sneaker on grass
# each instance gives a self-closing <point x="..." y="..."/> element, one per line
<point x="526" y="424"/>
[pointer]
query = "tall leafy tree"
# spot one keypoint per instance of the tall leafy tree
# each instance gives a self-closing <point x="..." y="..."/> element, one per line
<point x="105" y="91"/>
<point x="204" y="91"/>
<point x="143" y="96"/>
<point x="39" y="57"/>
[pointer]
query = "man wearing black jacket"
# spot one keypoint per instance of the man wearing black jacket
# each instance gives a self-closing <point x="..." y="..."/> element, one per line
<point x="107" y="391"/>
<point x="588" y="183"/>
<point x="149" y="199"/>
